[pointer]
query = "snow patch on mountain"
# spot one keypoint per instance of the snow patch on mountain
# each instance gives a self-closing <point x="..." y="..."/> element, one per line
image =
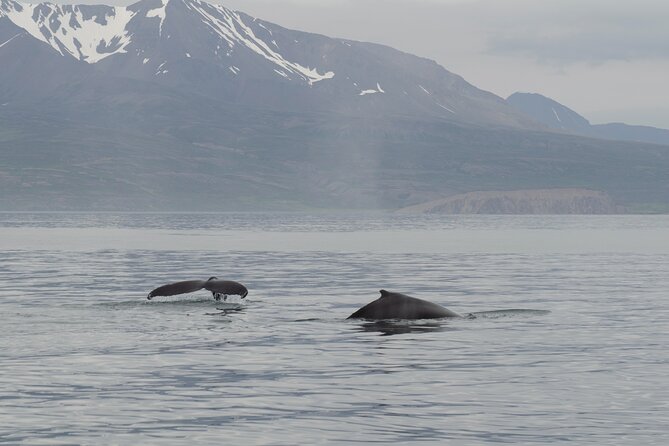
<point x="159" y="13"/>
<point x="265" y="28"/>
<point x="232" y="29"/>
<point x="445" y="108"/>
<point x="378" y="89"/>
<point x="12" y="38"/>
<point x="93" y="33"/>
<point x="74" y="30"/>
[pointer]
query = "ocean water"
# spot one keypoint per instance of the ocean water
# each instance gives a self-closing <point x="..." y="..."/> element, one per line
<point x="570" y="342"/>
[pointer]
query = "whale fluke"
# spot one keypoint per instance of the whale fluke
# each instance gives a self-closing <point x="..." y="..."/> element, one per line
<point x="217" y="287"/>
<point x="400" y="306"/>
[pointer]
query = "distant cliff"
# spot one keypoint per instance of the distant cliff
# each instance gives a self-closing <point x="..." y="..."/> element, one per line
<point x="537" y="201"/>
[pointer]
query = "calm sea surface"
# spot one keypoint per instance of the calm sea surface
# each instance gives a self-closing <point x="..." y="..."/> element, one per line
<point x="582" y="355"/>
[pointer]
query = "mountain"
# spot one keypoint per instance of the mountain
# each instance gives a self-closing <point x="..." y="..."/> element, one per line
<point x="625" y="132"/>
<point x="556" y="116"/>
<point x="203" y="49"/>
<point x="549" y="112"/>
<point x="185" y="105"/>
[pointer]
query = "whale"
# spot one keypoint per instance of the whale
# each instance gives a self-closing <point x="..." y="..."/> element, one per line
<point x="400" y="306"/>
<point x="218" y="288"/>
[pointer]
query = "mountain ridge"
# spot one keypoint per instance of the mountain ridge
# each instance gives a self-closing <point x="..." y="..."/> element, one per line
<point x="559" y="117"/>
<point x="179" y="118"/>
<point x="244" y="60"/>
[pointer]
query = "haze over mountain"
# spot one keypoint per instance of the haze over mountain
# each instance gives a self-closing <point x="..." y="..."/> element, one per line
<point x="557" y="116"/>
<point x="185" y="105"/>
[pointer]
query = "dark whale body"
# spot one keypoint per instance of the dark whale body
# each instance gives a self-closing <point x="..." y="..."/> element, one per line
<point x="400" y="306"/>
<point x="217" y="287"/>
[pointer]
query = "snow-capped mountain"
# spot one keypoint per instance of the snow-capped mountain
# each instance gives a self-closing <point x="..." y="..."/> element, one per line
<point x="186" y="105"/>
<point x="205" y="49"/>
<point x="93" y="33"/>
<point x="87" y="33"/>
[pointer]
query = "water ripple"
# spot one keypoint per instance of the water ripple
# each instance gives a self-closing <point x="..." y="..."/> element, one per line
<point x="86" y="359"/>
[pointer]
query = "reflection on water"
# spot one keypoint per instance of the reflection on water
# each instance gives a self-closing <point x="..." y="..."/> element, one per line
<point x="496" y="314"/>
<point x="227" y="309"/>
<point x="86" y="359"/>
<point x="393" y="327"/>
<point x="389" y="327"/>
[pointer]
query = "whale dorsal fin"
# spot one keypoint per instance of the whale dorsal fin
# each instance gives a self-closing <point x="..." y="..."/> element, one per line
<point x="384" y="293"/>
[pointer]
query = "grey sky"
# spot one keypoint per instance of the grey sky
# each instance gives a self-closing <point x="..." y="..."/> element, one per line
<point x="607" y="60"/>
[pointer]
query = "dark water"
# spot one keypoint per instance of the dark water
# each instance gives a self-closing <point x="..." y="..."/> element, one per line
<point x="569" y="343"/>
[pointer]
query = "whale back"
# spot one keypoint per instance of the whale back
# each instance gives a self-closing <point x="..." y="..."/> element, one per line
<point x="400" y="306"/>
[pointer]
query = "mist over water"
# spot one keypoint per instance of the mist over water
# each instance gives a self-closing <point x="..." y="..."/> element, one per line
<point x="568" y="343"/>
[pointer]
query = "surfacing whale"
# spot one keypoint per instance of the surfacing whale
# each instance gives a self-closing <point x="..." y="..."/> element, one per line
<point x="400" y="306"/>
<point x="218" y="288"/>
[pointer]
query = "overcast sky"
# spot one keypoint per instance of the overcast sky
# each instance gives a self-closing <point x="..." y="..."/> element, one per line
<point x="608" y="60"/>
